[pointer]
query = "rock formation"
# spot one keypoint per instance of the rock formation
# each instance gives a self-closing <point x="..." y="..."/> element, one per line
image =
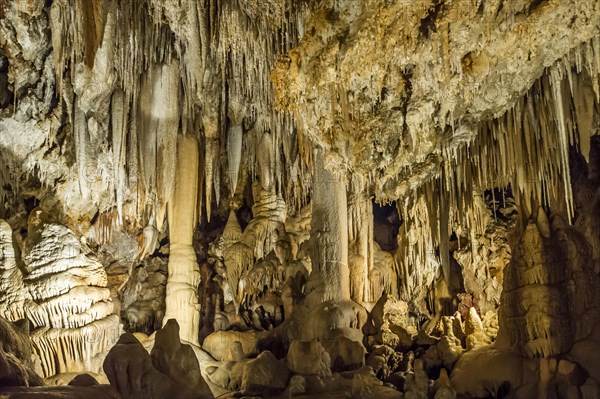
<point x="64" y="295"/>
<point x="181" y="299"/>
<point x="357" y="198"/>
<point x="16" y="357"/>
<point x="144" y="297"/>
<point x="137" y="374"/>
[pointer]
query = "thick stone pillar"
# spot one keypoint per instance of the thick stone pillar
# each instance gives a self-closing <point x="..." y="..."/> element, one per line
<point x="330" y="278"/>
<point x="184" y="274"/>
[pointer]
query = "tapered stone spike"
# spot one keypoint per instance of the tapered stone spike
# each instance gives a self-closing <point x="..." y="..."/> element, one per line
<point x="119" y="117"/>
<point x="234" y="155"/>
<point x="211" y="157"/>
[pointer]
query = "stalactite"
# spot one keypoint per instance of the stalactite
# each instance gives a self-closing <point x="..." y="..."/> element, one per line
<point x="147" y="135"/>
<point x="195" y="57"/>
<point x="444" y="226"/>
<point x="221" y="53"/>
<point x="168" y="112"/>
<point x="133" y="168"/>
<point x="81" y="149"/>
<point x="159" y="123"/>
<point x="238" y="259"/>
<point x="526" y="148"/>
<point x="234" y="155"/>
<point x="583" y="99"/>
<point x="383" y="277"/>
<point x="556" y="80"/>
<point x="200" y="193"/>
<point x="59" y="23"/>
<point x="234" y="144"/>
<point x="210" y="159"/>
<point x="91" y="17"/>
<point x="119" y="119"/>
<point x="416" y="255"/>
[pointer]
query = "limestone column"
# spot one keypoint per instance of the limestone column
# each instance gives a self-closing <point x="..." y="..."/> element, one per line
<point x="361" y="237"/>
<point x="184" y="274"/>
<point x="330" y="279"/>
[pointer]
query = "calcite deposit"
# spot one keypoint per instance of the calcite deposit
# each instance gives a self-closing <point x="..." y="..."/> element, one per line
<point x="279" y="198"/>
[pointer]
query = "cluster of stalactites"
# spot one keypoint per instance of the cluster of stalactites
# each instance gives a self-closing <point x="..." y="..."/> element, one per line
<point x="199" y="68"/>
<point x="526" y="149"/>
<point x="417" y="258"/>
<point x="528" y="146"/>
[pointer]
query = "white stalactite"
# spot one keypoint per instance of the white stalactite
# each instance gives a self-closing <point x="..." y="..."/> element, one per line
<point x="165" y="107"/>
<point x="234" y="144"/>
<point x="211" y="158"/>
<point x="120" y="118"/>
<point x="234" y="155"/>
<point x="159" y="109"/>
<point x="82" y="146"/>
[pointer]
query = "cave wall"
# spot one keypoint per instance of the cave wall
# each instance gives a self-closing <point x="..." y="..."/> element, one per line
<point x="227" y="164"/>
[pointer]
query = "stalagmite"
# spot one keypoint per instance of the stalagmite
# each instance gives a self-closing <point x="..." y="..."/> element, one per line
<point x="184" y="275"/>
<point x="232" y="232"/>
<point x="330" y="277"/>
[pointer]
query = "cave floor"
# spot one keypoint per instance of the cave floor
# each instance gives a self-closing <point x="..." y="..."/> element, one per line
<point x="62" y="392"/>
